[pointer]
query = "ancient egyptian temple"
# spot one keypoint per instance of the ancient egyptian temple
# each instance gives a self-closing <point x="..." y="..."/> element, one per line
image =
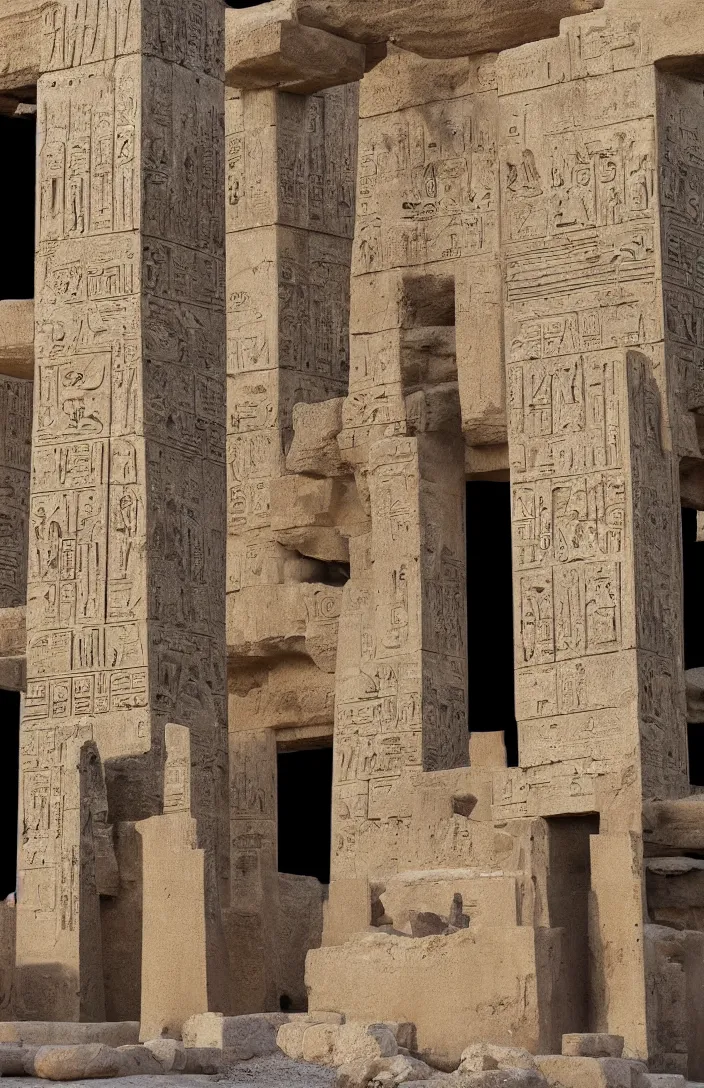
<point x="352" y="539"/>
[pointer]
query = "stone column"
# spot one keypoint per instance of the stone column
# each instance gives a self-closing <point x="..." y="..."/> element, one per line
<point x="425" y="238"/>
<point x="127" y="524"/>
<point x="290" y="217"/>
<point x="603" y="365"/>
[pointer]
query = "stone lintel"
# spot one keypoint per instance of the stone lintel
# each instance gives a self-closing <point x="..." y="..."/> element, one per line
<point x="289" y="57"/>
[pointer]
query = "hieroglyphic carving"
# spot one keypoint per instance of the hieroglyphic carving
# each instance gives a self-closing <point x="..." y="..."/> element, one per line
<point x="290" y="163"/>
<point x="593" y="495"/>
<point x="15" y="449"/>
<point x="127" y="522"/>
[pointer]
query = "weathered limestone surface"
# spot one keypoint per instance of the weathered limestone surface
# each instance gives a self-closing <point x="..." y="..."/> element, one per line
<point x="454" y="28"/>
<point x="127" y="527"/>
<point x="426" y="243"/>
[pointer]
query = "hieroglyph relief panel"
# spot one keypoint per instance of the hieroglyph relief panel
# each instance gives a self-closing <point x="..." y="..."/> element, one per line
<point x="401" y="678"/>
<point x="290" y="209"/>
<point x="291" y="160"/>
<point x="190" y="33"/>
<point x="127" y="522"/>
<point x="127" y="350"/>
<point x="594" y="482"/>
<point x="15" y="451"/>
<point x="427" y="182"/>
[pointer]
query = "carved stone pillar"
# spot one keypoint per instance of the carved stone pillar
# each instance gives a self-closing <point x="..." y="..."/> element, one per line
<point x="290" y="216"/>
<point x="127" y="525"/>
<point x="602" y="227"/>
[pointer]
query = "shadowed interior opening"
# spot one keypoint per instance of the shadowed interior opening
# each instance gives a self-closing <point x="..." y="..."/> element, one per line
<point x="17" y="182"/>
<point x="568" y="893"/>
<point x="9" y="782"/>
<point x="490" y="613"/>
<point x="244" y="3"/>
<point x="693" y="610"/>
<point x="304" y="798"/>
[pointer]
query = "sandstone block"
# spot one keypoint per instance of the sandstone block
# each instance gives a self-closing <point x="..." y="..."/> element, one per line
<point x="357" y="1040"/>
<point x="482" y="1056"/>
<point x="663" y="1080"/>
<point x="402" y="1069"/>
<point x="17" y="1061"/>
<point x="314" y="449"/>
<point x="290" y="57"/>
<point x="502" y="1078"/>
<point x="41" y="1033"/>
<point x="317" y="1017"/>
<point x="169" y="1053"/>
<point x="357" y="1074"/>
<point x="81" y="1062"/>
<point x="454" y="28"/>
<point x="404" y="1033"/>
<point x="583" y="1072"/>
<point x="250" y="1036"/>
<point x="289" y="1038"/>
<point x="592" y="1045"/>
<point x="203" y="1060"/>
<point x="319" y="1044"/>
<point x="138" y="1061"/>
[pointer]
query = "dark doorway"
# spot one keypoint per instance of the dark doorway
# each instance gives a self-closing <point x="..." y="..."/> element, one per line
<point x="9" y="788"/>
<point x="490" y="613"/>
<point x="17" y="184"/>
<point x="304" y="812"/>
<point x="568" y="892"/>
<point x="244" y="3"/>
<point x="693" y="623"/>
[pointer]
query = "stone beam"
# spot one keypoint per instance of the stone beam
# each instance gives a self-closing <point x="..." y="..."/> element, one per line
<point x="452" y="28"/>
<point x="17" y="338"/>
<point x="288" y="57"/>
<point x="21" y="25"/>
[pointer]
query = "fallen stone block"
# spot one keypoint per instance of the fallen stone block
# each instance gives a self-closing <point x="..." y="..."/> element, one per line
<point x="316" y="1017"/>
<point x="357" y="1074"/>
<point x="80" y="1062"/>
<point x="319" y="1043"/>
<point x="169" y="1053"/>
<point x="401" y="1070"/>
<point x="357" y="1041"/>
<point x="482" y="1056"/>
<point x="500" y="1078"/>
<point x="289" y="1039"/>
<point x="592" y="1045"/>
<point x="404" y="1033"/>
<point x="662" y="1080"/>
<point x="580" y="1072"/>
<point x="17" y="1061"/>
<point x="205" y="1060"/>
<point x="251" y="1036"/>
<point x="138" y="1061"/>
<point x="42" y="1033"/>
<point x="384" y="1072"/>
